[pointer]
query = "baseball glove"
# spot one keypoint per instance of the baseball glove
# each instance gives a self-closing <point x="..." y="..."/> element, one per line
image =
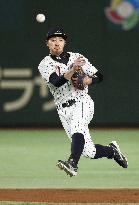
<point x="77" y="79"/>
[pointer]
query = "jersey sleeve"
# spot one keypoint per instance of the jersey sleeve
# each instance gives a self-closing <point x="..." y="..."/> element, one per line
<point x="46" y="69"/>
<point x="88" y="68"/>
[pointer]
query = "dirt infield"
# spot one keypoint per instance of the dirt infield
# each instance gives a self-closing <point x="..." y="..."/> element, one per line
<point x="71" y="195"/>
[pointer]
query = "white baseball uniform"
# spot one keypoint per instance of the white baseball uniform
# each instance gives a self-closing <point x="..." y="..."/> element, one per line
<point x="76" y="117"/>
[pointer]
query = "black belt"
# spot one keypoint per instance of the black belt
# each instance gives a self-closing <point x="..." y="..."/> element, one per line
<point x="68" y="103"/>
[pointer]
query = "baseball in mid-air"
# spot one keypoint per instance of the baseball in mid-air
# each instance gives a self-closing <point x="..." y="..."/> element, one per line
<point x="40" y="18"/>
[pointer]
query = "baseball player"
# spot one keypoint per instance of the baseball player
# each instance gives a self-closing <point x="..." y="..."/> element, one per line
<point x="74" y="106"/>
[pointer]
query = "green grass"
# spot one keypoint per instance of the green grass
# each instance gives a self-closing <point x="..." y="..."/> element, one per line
<point x="28" y="160"/>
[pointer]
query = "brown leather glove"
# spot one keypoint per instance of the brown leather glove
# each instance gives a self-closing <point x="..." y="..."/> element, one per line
<point x="77" y="79"/>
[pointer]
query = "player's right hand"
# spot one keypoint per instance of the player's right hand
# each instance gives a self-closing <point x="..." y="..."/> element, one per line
<point x="80" y="61"/>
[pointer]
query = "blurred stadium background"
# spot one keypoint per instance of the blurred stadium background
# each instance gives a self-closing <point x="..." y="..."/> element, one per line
<point x="113" y="49"/>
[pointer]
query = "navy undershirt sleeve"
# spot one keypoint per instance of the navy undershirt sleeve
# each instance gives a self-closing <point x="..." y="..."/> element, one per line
<point x="56" y="80"/>
<point x="98" y="77"/>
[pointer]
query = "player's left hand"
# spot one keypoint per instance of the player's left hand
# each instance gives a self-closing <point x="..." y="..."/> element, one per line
<point x="87" y="80"/>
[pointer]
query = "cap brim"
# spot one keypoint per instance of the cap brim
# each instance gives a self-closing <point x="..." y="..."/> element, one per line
<point x="57" y="34"/>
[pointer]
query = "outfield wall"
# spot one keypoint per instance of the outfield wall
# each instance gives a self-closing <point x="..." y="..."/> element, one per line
<point x="26" y="101"/>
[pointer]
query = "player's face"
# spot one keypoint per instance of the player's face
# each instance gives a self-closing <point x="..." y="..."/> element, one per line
<point x="56" y="45"/>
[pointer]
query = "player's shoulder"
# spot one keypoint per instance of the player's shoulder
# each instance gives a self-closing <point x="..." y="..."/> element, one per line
<point x="45" y="61"/>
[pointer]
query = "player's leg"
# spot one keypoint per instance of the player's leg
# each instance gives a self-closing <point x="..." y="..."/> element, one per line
<point x="79" y="115"/>
<point x="77" y="146"/>
<point x="82" y="114"/>
<point x="76" y="127"/>
<point x="65" y="118"/>
<point x="96" y="151"/>
<point x="69" y="166"/>
<point x="81" y="118"/>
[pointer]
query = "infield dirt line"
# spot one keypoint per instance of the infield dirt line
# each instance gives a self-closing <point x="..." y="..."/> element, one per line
<point x="71" y="195"/>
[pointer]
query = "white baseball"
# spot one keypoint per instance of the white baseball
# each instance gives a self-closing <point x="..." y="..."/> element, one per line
<point x="40" y="18"/>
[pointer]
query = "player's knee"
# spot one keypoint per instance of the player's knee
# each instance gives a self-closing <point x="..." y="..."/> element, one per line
<point x="78" y="137"/>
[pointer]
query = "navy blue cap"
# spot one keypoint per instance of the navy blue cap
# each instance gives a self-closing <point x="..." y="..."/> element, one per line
<point x="56" y="32"/>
